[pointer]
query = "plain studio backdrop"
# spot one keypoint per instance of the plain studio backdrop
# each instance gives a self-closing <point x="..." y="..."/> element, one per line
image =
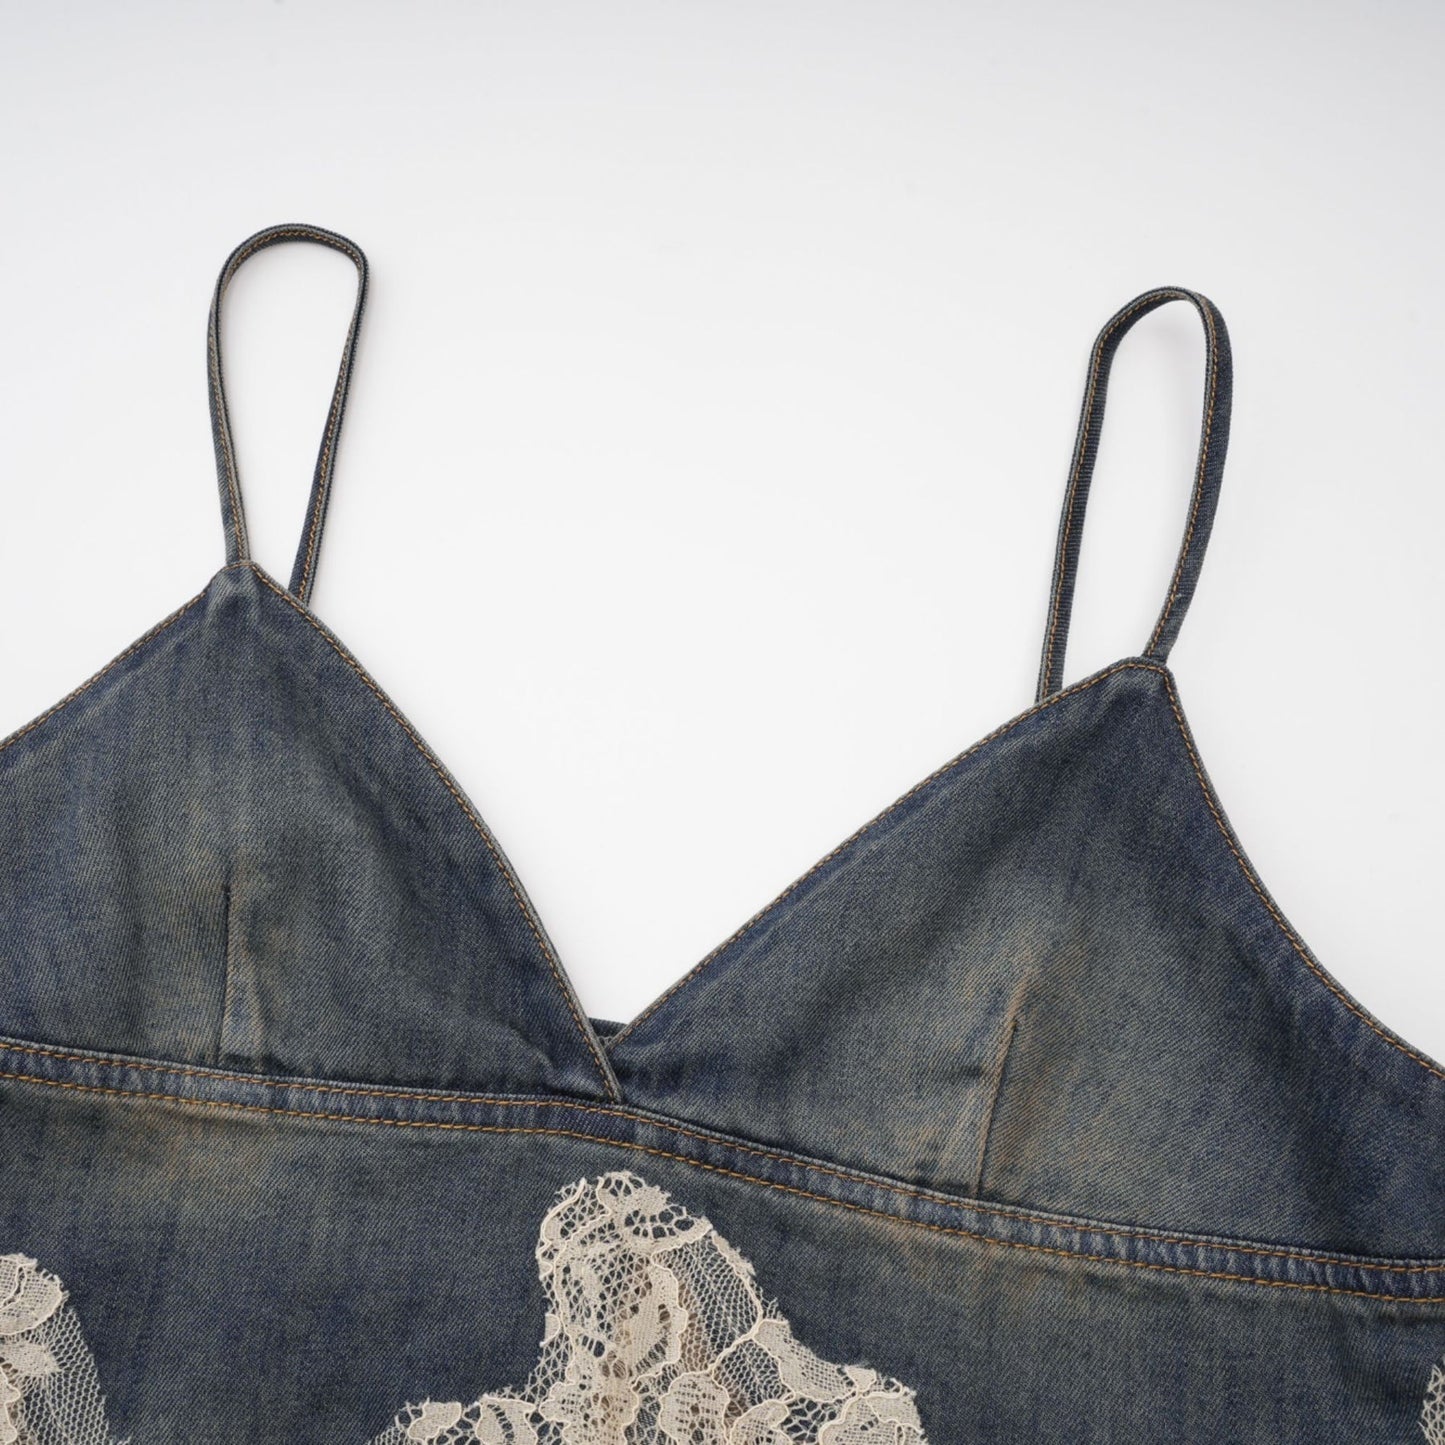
<point x="714" y="403"/>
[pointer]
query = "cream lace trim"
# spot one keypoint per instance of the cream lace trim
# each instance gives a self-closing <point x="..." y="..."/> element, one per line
<point x="1432" y="1415"/>
<point x="49" y="1392"/>
<point x="657" y="1334"/>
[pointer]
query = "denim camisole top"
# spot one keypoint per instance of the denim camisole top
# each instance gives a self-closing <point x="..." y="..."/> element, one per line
<point x="1023" y="1117"/>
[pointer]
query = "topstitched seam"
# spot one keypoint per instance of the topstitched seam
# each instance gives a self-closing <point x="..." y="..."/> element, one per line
<point x="726" y="1140"/>
<point x="1252" y="878"/>
<point x="460" y="798"/>
<point x="1061" y="565"/>
<point x="673" y="1126"/>
<point x="323" y="489"/>
<point x="1295" y="942"/>
<point x="94" y="678"/>
<point x="259" y="243"/>
<point x="238" y="546"/>
<point x="1075" y="476"/>
<point x="1184" y="551"/>
<point x="954" y="762"/>
<point x="956" y="1230"/>
<point x="333" y="425"/>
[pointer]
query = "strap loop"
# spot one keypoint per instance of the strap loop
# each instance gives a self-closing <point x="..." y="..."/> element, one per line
<point x="233" y="516"/>
<point x="1209" y="472"/>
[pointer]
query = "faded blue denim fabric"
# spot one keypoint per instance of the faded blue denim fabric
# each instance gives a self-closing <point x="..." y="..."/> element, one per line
<point x="1026" y="1097"/>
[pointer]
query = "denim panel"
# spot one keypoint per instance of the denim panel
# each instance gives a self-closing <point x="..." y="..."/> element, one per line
<point x="232" y="849"/>
<point x="1027" y="1096"/>
<point x="220" y="1310"/>
<point x="1045" y="977"/>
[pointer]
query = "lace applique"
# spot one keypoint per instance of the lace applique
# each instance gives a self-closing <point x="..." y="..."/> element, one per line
<point x="1432" y="1414"/>
<point x="657" y="1334"/>
<point x="49" y="1392"/>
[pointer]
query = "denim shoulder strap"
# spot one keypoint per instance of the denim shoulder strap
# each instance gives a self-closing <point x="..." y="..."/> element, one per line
<point x="1209" y="471"/>
<point x="303" y="573"/>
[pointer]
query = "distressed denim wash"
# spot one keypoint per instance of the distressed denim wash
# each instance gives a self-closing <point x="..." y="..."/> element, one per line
<point x="1024" y="1117"/>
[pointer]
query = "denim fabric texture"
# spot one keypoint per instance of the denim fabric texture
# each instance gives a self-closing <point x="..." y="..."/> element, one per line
<point x="1026" y="1097"/>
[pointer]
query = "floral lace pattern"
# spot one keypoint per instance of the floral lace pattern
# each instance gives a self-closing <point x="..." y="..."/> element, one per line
<point x="49" y="1392"/>
<point x="1432" y="1415"/>
<point x="657" y="1334"/>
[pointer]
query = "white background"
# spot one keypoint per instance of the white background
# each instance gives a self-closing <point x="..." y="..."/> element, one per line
<point x="715" y="398"/>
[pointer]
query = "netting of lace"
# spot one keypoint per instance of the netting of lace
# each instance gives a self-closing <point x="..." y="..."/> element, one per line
<point x="657" y="1334"/>
<point x="49" y="1391"/>
<point x="1432" y="1416"/>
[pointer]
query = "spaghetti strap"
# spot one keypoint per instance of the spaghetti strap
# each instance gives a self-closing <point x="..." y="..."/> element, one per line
<point x="232" y="513"/>
<point x="1209" y="471"/>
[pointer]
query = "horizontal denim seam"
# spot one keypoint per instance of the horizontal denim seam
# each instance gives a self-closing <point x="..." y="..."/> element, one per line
<point x="1157" y="1240"/>
<point x="123" y="1063"/>
<point x="1242" y="862"/>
